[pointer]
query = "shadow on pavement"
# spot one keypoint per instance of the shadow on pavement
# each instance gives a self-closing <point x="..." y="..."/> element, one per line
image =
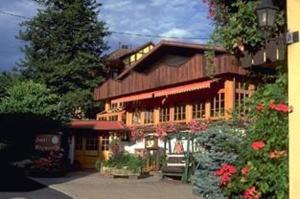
<point x="14" y="180"/>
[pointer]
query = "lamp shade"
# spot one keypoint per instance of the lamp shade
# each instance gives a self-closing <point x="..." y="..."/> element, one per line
<point x="266" y="13"/>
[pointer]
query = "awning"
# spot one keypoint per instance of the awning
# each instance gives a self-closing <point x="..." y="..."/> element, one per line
<point x="166" y="91"/>
<point x="98" y="125"/>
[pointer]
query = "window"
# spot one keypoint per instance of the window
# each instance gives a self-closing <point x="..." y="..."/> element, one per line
<point x="136" y="117"/>
<point x="105" y="143"/>
<point x="102" y="118"/>
<point x="78" y="143"/>
<point x="242" y="93"/>
<point x="199" y="110"/>
<point x="164" y="114"/>
<point x="179" y="112"/>
<point x="124" y="118"/>
<point x="92" y="143"/>
<point x="113" y="118"/>
<point x="148" y="117"/>
<point x="217" y="106"/>
<point x="114" y="106"/>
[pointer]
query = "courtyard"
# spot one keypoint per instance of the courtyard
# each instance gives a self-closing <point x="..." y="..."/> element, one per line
<point x="89" y="185"/>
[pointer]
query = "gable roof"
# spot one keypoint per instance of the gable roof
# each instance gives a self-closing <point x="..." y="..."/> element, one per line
<point x="123" y="52"/>
<point x="171" y="44"/>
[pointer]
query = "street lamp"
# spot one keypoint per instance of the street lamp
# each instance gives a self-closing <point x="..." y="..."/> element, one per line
<point x="266" y="14"/>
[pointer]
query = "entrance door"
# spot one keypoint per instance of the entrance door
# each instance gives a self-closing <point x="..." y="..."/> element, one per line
<point x="91" y="151"/>
<point x="87" y="150"/>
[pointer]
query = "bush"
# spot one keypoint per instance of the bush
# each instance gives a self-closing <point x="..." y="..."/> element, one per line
<point x="217" y="145"/>
<point x="53" y="164"/>
<point x="263" y="162"/>
<point x="125" y="160"/>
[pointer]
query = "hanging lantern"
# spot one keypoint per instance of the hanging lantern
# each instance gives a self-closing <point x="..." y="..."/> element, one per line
<point x="266" y="14"/>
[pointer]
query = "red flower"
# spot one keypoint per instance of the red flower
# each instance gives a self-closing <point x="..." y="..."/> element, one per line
<point x="245" y="170"/>
<point x="225" y="172"/>
<point x="281" y="107"/>
<point x="260" y="107"/>
<point x="225" y="178"/>
<point x="197" y="126"/>
<point x="257" y="145"/>
<point x="251" y="193"/>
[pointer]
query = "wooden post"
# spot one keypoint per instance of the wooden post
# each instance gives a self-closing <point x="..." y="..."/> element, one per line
<point x="156" y="115"/>
<point x="187" y="162"/>
<point x="207" y="109"/>
<point x="107" y="106"/>
<point x="229" y="89"/>
<point x="128" y="118"/>
<point x="188" y="113"/>
<point x="142" y="117"/>
<point x="172" y="113"/>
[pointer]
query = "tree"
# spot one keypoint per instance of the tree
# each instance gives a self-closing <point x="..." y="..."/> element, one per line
<point x="29" y="98"/>
<point x="217" y="145"/>
<point x="6" y="80"/>
<point x="64" y="43"/>
<point x="236" y="24"/>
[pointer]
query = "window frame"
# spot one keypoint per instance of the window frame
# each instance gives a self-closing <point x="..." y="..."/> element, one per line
<point x="198" y="110"/>
<point x="148" y="117"/>
<point x="179" y="112"/>
<point x="92" y="143"/>
<point x="217" y="106"/>
<point x="164" y="114"/>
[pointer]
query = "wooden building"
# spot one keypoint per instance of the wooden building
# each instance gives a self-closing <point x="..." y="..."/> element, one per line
<point x="171" y="82"/>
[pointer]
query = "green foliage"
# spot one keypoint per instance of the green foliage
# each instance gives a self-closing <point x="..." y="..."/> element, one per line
<point x="64" y="43"/>
<point x="6" y="80"/>
<point x="268" y="165"/>
<point x="210" y="66"/>
<point x="121" y="160"/>
<point x="27" y="97"/>
<point x="217" y="145"/>
<point x="236" y="25"/>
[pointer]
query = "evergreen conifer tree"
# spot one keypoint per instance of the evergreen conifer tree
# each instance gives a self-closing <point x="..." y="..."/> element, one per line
<point x="218" y="145"/>
<point x="64" y="43"/>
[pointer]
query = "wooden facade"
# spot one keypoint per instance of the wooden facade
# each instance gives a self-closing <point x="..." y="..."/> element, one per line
<point x="173" y="79"/>
<point x="172" y="83"/>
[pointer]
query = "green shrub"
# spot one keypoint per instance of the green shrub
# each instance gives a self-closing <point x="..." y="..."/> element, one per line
<point x="263" y="162"/>
<point x="217" y="145"/>
<point x="125" y="160"/>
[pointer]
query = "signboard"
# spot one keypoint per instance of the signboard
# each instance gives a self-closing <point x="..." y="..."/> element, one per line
<point x="46" y="142"/>
<point x="151" y="142"/>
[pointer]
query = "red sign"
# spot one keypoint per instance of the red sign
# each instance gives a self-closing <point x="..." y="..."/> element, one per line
<point x="47" y="142"/>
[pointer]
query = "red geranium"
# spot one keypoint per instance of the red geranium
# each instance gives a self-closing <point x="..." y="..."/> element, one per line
<point x="281" y="107"/>
<point x="257" y="145"/>
<point x="251" y="193"/>
<point x="225" y="172"/>
<point x="245" y="170"/>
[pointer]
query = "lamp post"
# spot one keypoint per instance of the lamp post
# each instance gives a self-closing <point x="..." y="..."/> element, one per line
<point x="266" y="15"/>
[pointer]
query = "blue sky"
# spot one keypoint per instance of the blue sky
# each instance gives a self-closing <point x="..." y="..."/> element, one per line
<point x="169" y="18"/>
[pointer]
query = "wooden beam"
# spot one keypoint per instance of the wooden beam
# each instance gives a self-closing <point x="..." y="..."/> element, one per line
<point x="188" y="113"/>
<point x="229" y="89"/>
<point x="156" y="115"/>
<point x="207" y="109"/>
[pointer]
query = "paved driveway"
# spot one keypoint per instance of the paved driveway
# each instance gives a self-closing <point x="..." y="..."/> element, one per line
<point x="95" y="186"/>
